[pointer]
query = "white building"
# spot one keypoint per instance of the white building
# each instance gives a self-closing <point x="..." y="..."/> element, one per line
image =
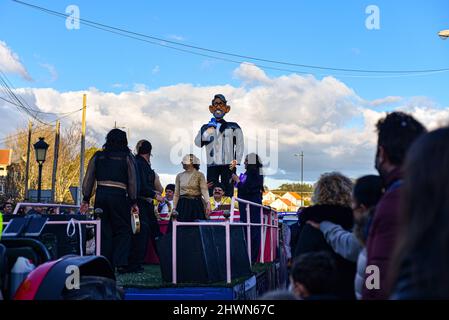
<point x="269" y="197"/>
<point x="5" y="161"/>
<point x="293" y="197"/>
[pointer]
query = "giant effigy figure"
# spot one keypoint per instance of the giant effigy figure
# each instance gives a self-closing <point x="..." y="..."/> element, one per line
<point x="224" y="146"/>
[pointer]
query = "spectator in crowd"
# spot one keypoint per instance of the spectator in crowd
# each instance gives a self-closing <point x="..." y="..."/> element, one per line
<point x="285" y="259"/>
<point x="250" y="188"/>
<point x="35" y="211"/>
<point x="285" y="239"/>
<point x="294" y="231"/>
<point x="7" y="208"/>
<point x="396" y="133"/>
<point x="313" y="276"/>
<point x="191" y="199"/>
<point x="332" y="202"/>
<point x="421" y="261"/>
<point x="350" y="245"/>
<point x="165" y="207"/>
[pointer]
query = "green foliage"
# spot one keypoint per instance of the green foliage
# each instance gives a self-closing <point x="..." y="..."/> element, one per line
<point x="296" y="187"/>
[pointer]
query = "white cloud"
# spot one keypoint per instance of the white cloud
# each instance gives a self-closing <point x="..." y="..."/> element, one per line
<point x="384" y="101"/>
<point x="51" y="70"/>
<point x="10" y="62"/>
<point x="249" y="73"/>
<point x="322" y="117"/>
<point x="140" y="87"/>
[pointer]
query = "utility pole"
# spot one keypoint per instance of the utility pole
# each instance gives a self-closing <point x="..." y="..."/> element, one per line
<point x="301" y="156"/>
<point x="27" y="168"/>
<point x="55" y="162"/>
<point x="83" y="147"/>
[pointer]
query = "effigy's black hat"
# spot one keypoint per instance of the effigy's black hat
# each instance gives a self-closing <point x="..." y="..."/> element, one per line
<point x="219" y="96"/>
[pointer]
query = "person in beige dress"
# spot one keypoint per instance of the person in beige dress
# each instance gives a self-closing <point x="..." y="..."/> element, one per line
<point x="191" y="199"/>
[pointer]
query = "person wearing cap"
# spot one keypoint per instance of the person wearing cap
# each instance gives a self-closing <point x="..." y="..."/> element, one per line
<point x="191" y="199"/>
<point x="149" y="227"/>
<point x="224" y="146"/>
<point x="113" y="170"/>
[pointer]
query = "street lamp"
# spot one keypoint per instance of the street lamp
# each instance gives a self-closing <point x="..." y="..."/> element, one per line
<point x="40" y="149"/>
<point x="301" y="155"/>
<point x="444" y="34"/>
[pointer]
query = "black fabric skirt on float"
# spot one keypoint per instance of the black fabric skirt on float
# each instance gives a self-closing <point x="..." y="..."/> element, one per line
<point x="190" y="209"/>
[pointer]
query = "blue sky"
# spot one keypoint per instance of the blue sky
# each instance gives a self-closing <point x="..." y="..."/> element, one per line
<point x="323" y="33"/>
<point x="326" y="33"/>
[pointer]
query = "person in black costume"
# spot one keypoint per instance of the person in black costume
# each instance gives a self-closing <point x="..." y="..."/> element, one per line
<point x="250" y="188"/>
<point x="113" y="169"/>
<point x="149" y="226"/>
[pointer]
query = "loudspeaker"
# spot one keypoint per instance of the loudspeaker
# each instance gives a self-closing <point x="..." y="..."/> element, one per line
<point x="201" y="254"/>
<point x="55" y="235"/>
<point x="66" y="244"/>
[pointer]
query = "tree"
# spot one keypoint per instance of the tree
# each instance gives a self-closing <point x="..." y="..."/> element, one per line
<point x="296" y="187"/>
<point x="68" y="162"/>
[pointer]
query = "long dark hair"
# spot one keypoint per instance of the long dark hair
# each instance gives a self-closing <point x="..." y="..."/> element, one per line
<point x="254" y="162"/>
<point x="254" y="168"/>
<point x="116" y="141"/>
<point x="422" y="246"/>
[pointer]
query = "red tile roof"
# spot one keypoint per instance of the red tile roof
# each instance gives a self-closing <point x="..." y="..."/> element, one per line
<point x="5" y="157"/>
<point x="287" y="202"/>
<point x="295" y="195"/>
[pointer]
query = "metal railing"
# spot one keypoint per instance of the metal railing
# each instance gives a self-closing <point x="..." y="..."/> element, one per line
<point x="96" y="223"/>
<point x="266" y="221"/>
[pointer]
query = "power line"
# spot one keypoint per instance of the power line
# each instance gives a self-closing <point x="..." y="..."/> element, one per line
<point x="39" y="128"/>
<point x="20" y="105"/>
<point x="22" y="101"/>
<point x="54" y="113"/>
<point x="131" y="34"/>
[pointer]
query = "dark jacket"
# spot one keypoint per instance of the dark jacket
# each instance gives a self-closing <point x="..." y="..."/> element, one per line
<point x="382" y="235"/>
<point x="422" y="277"/>
<point x="312" y="240"/>
<point x="111" y="166"/>
<point x="146" y="177"/>
<point x="294" y="231"/>
<point x="252" y="188"/>
<point x="223" y="145"/>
